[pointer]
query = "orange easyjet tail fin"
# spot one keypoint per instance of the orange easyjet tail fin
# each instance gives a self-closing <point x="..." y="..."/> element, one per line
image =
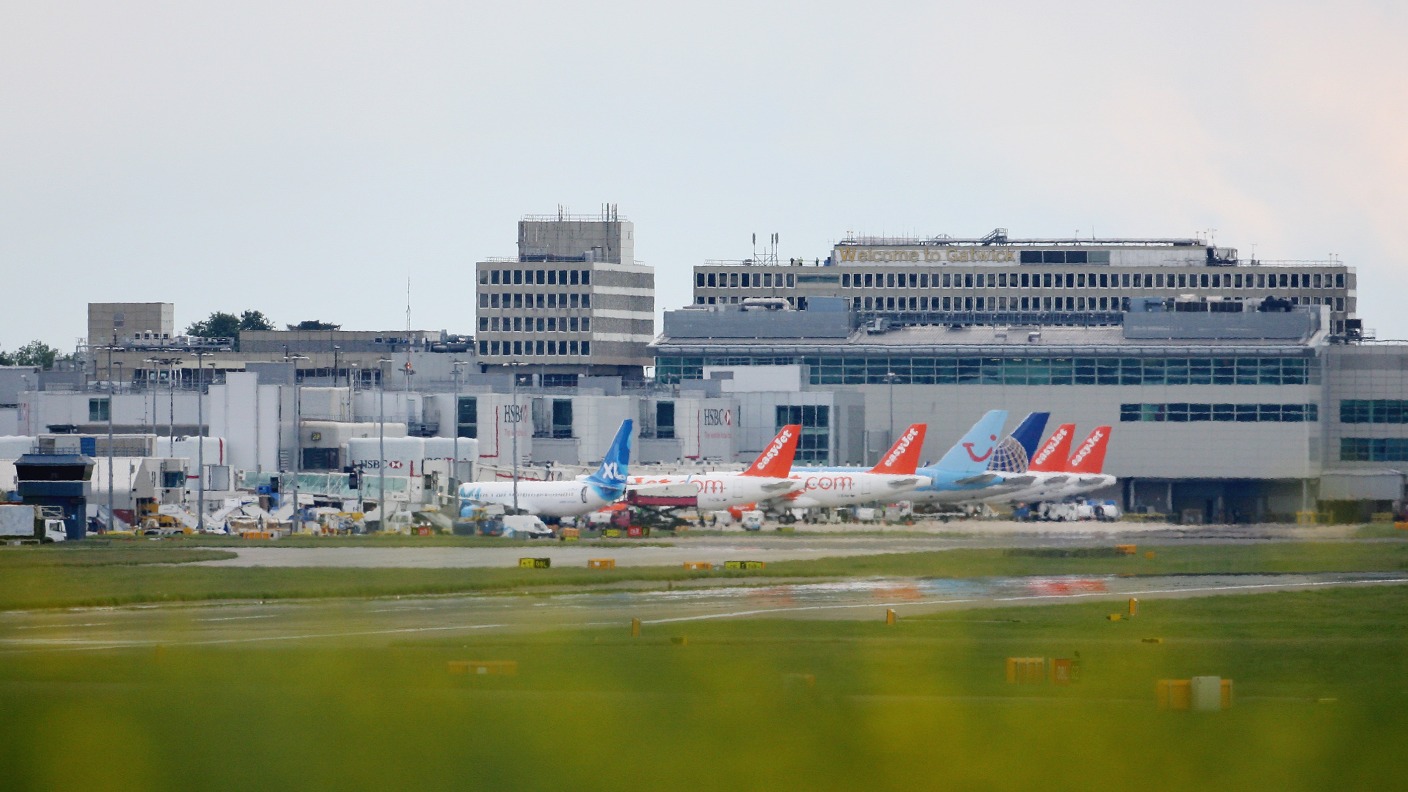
<point x="1090" y="457"/>
<point x="1051" y="457"/>
<point x="776" y="459"/>
<point x="903" y="456"/>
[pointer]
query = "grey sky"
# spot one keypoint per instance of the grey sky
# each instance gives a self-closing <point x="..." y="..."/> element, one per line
<point x="305" y="158"/>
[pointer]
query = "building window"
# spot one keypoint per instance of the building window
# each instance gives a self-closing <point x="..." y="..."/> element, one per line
<point x="814" y="445"/>
<point x="1187" y="412"/>
<point x="1373" y="449"/>
<point x="467" y="417"/>
<point x="99" y="410"/>
<point x="665" y="420"/>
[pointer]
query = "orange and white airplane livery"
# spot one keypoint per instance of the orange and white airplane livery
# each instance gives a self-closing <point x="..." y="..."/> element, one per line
<point x="889" y="480"/>
<point x="766" y="478"/>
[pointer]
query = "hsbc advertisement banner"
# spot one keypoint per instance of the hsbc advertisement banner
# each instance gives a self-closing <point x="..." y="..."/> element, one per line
<point x="707" y="428"/>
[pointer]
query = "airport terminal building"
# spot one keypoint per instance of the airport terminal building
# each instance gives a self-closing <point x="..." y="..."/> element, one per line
<point x="1218" y="415"/>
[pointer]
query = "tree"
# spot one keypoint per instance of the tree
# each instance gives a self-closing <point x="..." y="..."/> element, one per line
<point x="255" y="320"/>
<point x="217" y="325"/>
<point x="6" y="359"/>
<point x="36" y="353"/>
<point x="314" y="324"/>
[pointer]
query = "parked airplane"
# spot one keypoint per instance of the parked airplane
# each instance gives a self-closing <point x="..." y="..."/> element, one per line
<point x="1080" y="474"/>
<point x="559" y="498"/>
<point x="891" y="478"/>
<point x="1047" y="469"/>
<point x="963" y="470"/>
<point x="766" y="478"/>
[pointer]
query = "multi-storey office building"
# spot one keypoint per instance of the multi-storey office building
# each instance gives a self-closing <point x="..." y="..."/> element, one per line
<point x="997" y="280"/>
<point x="1216" y="415"/>
<point x="573" y="302"/>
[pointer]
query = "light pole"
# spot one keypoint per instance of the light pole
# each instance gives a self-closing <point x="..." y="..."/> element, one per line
<point x="297" y="439"/>
<point x="112" y="397"/>
<point x="890" y="378"/>
<point x="200" y="441"/>
<point x="381" y="437"/>
<point x="456" y="365"/>
<point x="515" y="418"/>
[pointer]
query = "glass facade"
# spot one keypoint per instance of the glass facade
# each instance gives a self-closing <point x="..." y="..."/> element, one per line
<point x="1111" y="370"/>
<point x="1183" y="412"/>
<point x="1373" y="449"/>
<point x="815" y="443"/>
<point x="1374" y="411"/>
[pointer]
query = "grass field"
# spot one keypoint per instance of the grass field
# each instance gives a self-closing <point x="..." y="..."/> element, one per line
<point x="1321" y="697"/>
<point x="1320" y="704"/>
<point x="129" y="573"/>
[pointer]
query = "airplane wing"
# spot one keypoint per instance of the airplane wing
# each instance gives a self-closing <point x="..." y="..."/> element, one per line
<point x="1018" y="481"/>
<point x="779" y="486"/>
<point x="981" y="478"/>
<point x="904" y="482"/>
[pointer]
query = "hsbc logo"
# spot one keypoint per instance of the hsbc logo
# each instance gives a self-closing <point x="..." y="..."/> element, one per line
<point x="1050" y="447"/>
<point x="1087" y="447"/>
<point x="513" y="413"/>
<point x="717" y="417"/>
<point x="901" y="447"/>
<point x="774" y="449"/>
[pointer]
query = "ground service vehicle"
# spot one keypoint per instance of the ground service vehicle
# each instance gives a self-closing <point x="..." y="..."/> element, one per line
<point x="24" y="523"/>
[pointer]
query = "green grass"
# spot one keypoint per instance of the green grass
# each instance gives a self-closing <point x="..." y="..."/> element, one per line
<point x="124" y="573"/>
<point x="745" y="705"/>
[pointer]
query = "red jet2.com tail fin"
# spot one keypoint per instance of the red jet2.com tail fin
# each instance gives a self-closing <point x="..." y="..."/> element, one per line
<point x="903" y="456"/>
<point x="1090" y="457"/>
<point x="1051" y="457"/>
<point x="776" y="459"/>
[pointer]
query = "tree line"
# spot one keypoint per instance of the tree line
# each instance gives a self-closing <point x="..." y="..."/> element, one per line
<point x="218" y="325"/>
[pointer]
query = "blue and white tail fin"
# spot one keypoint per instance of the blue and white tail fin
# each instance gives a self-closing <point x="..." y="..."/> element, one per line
<point x="1016" y="450"/>
<point x="611" y="476"/>
<point x="971" y="453"/>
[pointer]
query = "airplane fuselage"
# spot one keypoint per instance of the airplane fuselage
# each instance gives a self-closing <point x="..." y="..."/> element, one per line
<point x="720" y="490"/>
<point x="543" y="498"/>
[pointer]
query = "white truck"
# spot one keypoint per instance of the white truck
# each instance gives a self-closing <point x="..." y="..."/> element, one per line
<point x="22" y="524"/>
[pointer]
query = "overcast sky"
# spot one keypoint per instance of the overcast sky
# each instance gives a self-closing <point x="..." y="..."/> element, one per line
<point x="305" y="158"/>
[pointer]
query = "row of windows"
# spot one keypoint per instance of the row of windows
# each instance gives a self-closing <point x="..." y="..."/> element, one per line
<point x="1373" y="449"/>
<point x="552" y="277"/>
<point x="1380" y="411"/>
<point x="550" y="300"/>
<point x="814" y="444"/>
<point x="538" y="324"/>
<point x="534" y="348"/>
<point x="922" y="304"/>
<point x="1032" y="280"/>
<point x="1182" y="412"/>
<point x="1014" y="371"/>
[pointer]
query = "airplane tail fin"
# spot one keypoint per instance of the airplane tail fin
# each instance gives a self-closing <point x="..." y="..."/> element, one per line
<point x="1090" y="457"/>
<point x="903" y="456"/>
<point x="776" y="459"/>
<point x="971" y="453"/>
<point x="611" y="475"/>
<point x="1016" y="450"/>
<point x="1051" y="457"/>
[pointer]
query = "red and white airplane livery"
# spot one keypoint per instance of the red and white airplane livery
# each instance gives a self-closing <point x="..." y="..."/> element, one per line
<point x="889" y="480"/>
<point x="766" y="478"/>
<point x="1080" y="474"/>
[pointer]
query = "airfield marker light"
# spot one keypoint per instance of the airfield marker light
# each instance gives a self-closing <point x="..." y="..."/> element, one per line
<point x="1133" y="606"/>
<point x="889" y="615"/>
<point x="635" y="628"/>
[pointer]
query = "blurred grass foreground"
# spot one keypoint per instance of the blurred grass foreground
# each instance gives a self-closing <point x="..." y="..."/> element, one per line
<point x="1319" y="703"/>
